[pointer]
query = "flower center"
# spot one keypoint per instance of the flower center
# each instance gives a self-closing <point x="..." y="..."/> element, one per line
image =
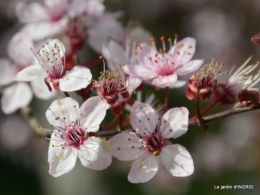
<point x="110" y="86"/>
<point x="154" y="143"/>
<point x="75" y="136"/>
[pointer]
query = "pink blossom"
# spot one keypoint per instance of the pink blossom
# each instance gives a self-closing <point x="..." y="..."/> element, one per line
<point x="19" y="94"/>
<point x="148" y="143"/>
<point x="74" y="135"/>
<point x="51" y="67"/>
<point x="51" y="18"/>
<point x="162" y="68"/>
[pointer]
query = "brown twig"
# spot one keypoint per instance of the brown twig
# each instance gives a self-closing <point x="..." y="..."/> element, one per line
<point x="207" y="119"/>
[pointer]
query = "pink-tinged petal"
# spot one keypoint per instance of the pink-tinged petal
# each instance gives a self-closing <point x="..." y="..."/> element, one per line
<point x="41" y="90"/>
<point x="132" y="83"/>
<point x="92" y="113"/>
<point x="174" y="122"/>
<point x="19" y="49"/>
<point x="43" y="29"/>
<point x="95" y="153"/>
<point x="165" y="81"/>
<point x="16" y="96"/>
<point x="7" y="72"/>
<point x="106" y="27"/>
<point x="143" y="169"/>
<point x="33" y="12"/>
<point x="142" y="52"/>
<point x="62" y="109"/>
<point x="140" y="72"/>
<point x="126" y="146"/>
<point x="177" y="160"/>
<point x="143" y="118"/>
<point x="189" y="67"/>
<point x="178" y="84"/>
<point x="61" y="160"/>
<point x="31" y="73"/>
<point x="75" y="79"/>
<point x="114" y="53"/>
<point x="184" y="51"/>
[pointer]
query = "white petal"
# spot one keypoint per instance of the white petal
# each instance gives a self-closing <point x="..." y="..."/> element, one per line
<point x="143" y="169"/>
<point x="7" y="72"/>
<point x="31" y="73"/>
<point x="165" y="81"/>
<point x="177" y="160"/>
<point x="92" y="113"/>
<point x="61" y="160"/>
<point x="55" y="44"/>
<point x="19" y="49"/>
<point x="178" y="84"/>
<point x="132" y="83"/>
<point x="114" y="53"/>
<point x="95" y="153"/>
<point x="75" y="79"/>
<point x="16" y="96"/>
<point x="174" y="122"/>
<point x="189" y="67"/>
<point x="44" y="29"/>
<point x="62" y="109"/>
<point x="126" y="146"/>
<point x="33" y="12"/>
<point x="143" y="118"/>
<point x="41" y="90"/>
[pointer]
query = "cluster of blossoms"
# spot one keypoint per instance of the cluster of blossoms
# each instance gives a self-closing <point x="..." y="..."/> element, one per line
<point x="134" y="60"/>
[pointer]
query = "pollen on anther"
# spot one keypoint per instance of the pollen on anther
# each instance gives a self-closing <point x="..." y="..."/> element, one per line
<point x="142" y="163"/>
<point x="129" y="166"/>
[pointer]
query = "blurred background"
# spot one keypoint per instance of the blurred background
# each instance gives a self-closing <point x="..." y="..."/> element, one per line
<point x="226" y="154"/>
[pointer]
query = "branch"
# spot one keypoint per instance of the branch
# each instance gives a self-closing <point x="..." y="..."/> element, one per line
<point x="209" y="118"/>
<point x="223" y="114"/>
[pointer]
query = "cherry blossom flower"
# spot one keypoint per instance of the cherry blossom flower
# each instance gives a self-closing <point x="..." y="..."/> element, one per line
<point x="74" y="135"/>
<point x="148" y="143"/>
<point x="51" y="67"/>
<point x="204" y="82"/>
<point x="19" y="94"/>
<point x="241" y="79"/>
<point x="162" y="68"/>
<point x="101" y="29"/>
<point x="51" y="18"/>
<point x="111" y="86"/>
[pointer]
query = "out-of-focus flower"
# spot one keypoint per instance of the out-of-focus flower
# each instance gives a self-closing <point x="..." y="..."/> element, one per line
<point x="74" y="135"/>
<point x="51" y="19"/>
<point x="19" y="94"/>
<point x="51" y="67"/>
<point x="103" y="28"/>
<point x="162" y="68"/>
<point x="242" y="78"/>
<point x="149" y="142"/>
<point x="204" y="82"/>
<point x="122" y="51"/>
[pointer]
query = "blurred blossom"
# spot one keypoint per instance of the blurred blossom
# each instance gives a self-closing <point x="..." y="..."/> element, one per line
<point x="10" y="128"/>
<point x="213" y="153"/>
<point x="216" y="32"/>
